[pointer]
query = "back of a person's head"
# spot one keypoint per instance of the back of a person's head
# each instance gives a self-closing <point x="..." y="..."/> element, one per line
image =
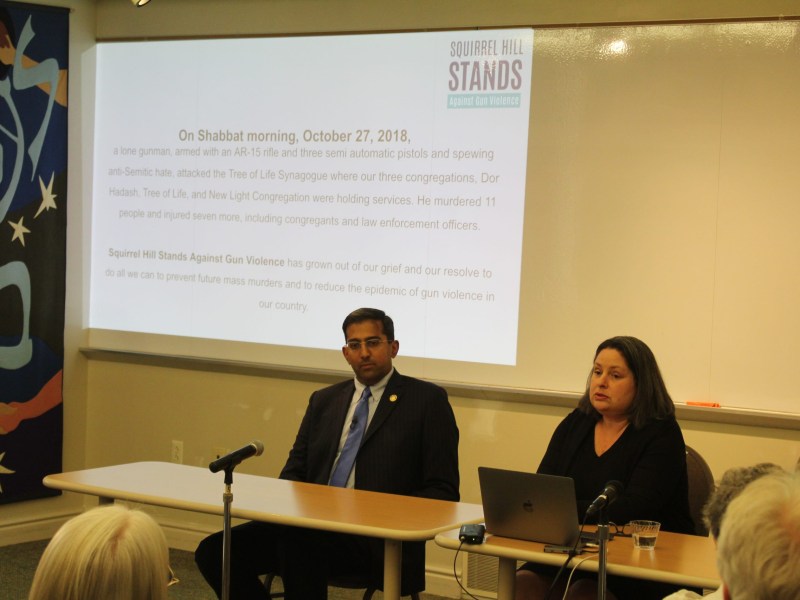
<point x="731" y="484"/>
<point x="759" y="543"/>
<point x="109" y="553"/>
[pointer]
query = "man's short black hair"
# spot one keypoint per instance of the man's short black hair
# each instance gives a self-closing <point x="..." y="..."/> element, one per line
<point x="370" y="314"/>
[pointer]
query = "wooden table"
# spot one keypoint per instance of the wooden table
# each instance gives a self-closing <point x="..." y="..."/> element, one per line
<point x="686" y="560"/>
<point x="393" y="518"/>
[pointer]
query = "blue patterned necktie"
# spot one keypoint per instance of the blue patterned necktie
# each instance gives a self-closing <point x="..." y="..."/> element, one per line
<point x="348" y="455"/>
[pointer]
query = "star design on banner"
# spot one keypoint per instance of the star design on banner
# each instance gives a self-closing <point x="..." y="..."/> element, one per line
<point x="19" y="231"/>
<point x="3" y="470"/>
<point x="48" y="197"/>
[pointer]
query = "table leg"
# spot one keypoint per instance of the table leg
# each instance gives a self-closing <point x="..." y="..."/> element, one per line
<point x="506" y="578"/>
<point x="392" y="561"/>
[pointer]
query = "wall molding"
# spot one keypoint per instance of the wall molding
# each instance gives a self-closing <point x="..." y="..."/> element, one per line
<point x="728" y="416"/>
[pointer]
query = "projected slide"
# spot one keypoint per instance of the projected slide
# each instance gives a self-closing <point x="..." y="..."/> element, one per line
<point x="258" y="190"/>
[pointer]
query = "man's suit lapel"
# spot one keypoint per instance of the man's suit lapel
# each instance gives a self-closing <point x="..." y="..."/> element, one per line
<point x="343" y="403"/>
<point x="337" y="416"/>
<point x="392" y="395"/>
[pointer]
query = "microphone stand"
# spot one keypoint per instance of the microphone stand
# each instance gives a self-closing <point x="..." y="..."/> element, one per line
<point x="227" y="498"/>
<point x="602" y="539"/>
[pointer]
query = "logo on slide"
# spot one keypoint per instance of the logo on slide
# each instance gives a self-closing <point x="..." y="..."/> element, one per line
<point x="487" y="73"/>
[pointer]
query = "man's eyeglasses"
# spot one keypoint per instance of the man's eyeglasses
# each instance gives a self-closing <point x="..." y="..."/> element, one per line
<point x="171" y="579"/>
<point x="370" y="343"/>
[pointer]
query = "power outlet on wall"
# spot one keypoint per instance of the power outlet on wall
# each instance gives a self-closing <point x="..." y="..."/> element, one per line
<point x="176" y="452"/>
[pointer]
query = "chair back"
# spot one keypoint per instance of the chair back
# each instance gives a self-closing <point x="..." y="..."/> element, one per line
<point x="701" y="486"/>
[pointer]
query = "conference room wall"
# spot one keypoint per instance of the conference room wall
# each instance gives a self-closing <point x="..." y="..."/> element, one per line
<point x="117" y="412"/>
<point x="135" y="411"/>
<point x="192" y="18"/>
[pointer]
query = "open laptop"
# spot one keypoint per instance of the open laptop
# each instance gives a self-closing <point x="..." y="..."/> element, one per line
<point x="529" y="506"/>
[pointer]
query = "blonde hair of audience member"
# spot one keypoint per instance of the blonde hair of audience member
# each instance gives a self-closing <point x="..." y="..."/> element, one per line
<point x="109" y="552"/>
<point x="759" y="544"/>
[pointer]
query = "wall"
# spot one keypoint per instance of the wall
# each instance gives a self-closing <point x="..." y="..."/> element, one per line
<point x="657" y="163"/>
<point x="119" y="412"/>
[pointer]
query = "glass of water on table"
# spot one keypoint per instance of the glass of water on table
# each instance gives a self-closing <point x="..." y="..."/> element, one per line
<point x="645" y="534"/>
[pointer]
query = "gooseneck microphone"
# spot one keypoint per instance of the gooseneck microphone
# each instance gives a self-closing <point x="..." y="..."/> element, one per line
<point x="254" y="448"/>
<point x="606" y="497"/>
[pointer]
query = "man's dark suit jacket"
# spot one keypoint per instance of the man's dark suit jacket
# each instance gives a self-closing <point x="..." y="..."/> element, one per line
<point x="410" y="448"/>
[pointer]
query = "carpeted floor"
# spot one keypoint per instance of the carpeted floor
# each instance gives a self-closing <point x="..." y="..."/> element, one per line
<point x="18" y="564"/>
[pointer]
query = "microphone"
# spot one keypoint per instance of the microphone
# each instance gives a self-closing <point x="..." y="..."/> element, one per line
<point x="606" y="497"/>
<point x="254" y="448"/>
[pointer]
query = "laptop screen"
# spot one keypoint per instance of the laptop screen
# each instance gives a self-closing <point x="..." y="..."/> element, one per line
<point x="529" y="506"/>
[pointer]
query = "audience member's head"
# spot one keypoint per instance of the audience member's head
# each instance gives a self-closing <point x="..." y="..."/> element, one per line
<point x="109" y="552"/>
<point x="732" y="483"/>
<point x="758" y="550"/>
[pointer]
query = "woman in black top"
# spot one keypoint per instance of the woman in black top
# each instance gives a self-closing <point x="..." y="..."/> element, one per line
<point x="623" y="429"/>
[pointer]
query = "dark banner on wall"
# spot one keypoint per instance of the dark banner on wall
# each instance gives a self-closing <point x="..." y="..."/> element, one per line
<point x="34" y="46"/>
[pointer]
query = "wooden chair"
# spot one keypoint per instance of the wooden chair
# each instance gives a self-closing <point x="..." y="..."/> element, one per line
<point x="701" y="486"/>
<point x="352" y="583"/>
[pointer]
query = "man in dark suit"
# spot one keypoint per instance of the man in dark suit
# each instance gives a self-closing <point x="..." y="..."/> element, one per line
<point x="409" y="447"/>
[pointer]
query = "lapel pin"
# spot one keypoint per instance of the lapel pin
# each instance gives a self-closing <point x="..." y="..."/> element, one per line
<point x="393" y="398"/>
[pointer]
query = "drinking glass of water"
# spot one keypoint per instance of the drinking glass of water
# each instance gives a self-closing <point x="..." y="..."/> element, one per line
<point x="645" y="534"/>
